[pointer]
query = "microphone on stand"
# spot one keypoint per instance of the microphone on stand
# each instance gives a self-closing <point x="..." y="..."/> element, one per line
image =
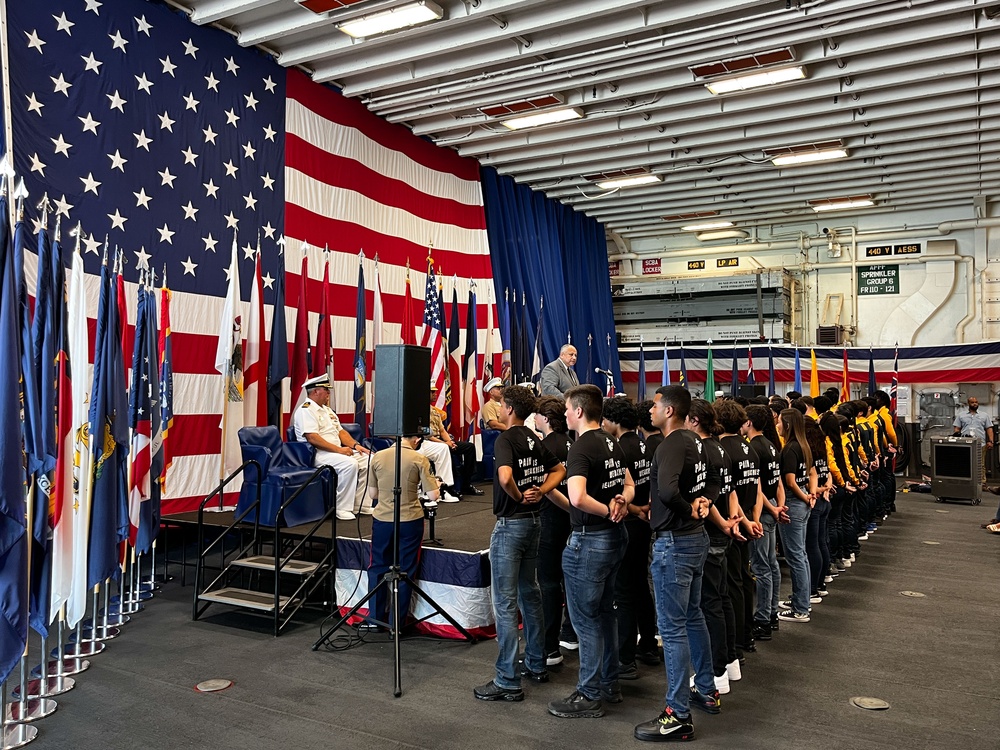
<point x="599" y="371"/>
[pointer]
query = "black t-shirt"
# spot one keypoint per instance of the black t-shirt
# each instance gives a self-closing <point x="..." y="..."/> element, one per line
<point x="638" y="459"/>
<point x="652" y="443"/>
<point x="746" y="471"/>
<point x="822" y="469"/>
<point x="529" y="460"/>
<point x="770" y="467"/>
<point x="598" y="457"/>
<point x="720" y="483"/>
<point x="678" y="476"/>
<point x="793" y="462"/>
<point x="558" y="444"/>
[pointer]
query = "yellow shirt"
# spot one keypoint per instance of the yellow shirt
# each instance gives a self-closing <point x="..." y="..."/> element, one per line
<point x="414" y="474"/>
<point x="491" y="413"/>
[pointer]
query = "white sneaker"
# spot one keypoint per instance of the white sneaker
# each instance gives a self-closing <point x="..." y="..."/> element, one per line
<point x="815" y="599"/>
<point x="847" y="563"/>
<point x="828" y="579"/>
<point x="733" y="672"/>
<point x="853" y="558"/>
<point x="447" y="497"/>
<point x="863" y="537"/>
<point x="345" y="515"/>
<point x="429" y="503"/>
<point x="722" y="682"/>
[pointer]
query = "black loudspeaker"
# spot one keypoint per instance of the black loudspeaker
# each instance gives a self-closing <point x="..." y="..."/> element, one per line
<point x="402" y="390"/>
<point x="752" y="391"/>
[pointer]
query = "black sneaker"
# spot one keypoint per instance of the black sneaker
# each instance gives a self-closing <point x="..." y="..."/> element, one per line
<point x="473" y="491"/>
<point x="649" y="658"/>
<point x="613" y="694"/>
<point x="577" y="706"/>
<point x="553" y="658"/>
<point x="628" y="671"/>
<point x="666" y="727"/>
<point x="775" y="625"/>
<point x="762" y="632"/>
<point x="789" y="616"/>
<point x="536" y="677"/>
<point x="493" y="692"/>
<point x="710" y="704"/>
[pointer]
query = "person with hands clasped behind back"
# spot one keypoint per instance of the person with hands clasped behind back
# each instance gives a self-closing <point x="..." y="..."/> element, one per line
<point x="678" y="508"/>
<point x="600" y="489"/>
<point x="525" y="471"/>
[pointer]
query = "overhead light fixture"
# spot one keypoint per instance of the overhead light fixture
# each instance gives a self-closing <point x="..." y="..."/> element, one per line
<point x="756" y="80"/>
<point x="706" y="226"/>
<point x="623" y="182"/>
<point x="619" y="178"/>
<point x="543" y="118"/>
<point x="722" y="234"/>
<point x="400" y="17"/>
<point x="841" y="204"/>
<point x="806" y="153"/>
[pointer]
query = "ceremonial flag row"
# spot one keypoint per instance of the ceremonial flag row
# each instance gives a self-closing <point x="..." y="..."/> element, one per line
<point x="65" y="514"/>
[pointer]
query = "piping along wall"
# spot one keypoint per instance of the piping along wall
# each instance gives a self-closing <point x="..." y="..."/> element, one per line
<point x="947" y="293"/>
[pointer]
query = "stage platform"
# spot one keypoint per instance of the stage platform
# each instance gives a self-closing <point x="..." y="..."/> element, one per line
<point x="454" y="563"/>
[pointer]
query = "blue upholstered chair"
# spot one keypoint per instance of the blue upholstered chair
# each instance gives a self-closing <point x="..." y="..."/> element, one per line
<point x="489" y="439"/>
<point x="287" y="466"/>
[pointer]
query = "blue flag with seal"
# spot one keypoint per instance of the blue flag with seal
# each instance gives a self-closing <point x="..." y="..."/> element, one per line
<point x="277" y="352"/>
<point x="108" y="440"/>
<point x="13" y="534"/>
<point x="797" y="385"/>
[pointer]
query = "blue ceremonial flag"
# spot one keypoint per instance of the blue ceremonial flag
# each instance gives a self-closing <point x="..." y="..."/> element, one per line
<point x="166" y="348"/>
<point x="144" y="420"/>
<point x="109" y="439"/>
<point x="872" y="384"/>
<point x="44" y="342"/>
<point x="277" y="352"/>
<point x="734" y="386"/>
<point x="505" y="338"/>
<point x="13" y="536"/>
<point x="798" y="372"/>
<point x="641" y="393"/>
<point x="684" y="370"/>
<point x="360" y="353"/>
<point x="665" y="380"/>
<point x="771" y="388"/>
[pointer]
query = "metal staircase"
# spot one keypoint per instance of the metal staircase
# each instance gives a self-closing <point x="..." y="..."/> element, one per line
<point x="296" y="569"/>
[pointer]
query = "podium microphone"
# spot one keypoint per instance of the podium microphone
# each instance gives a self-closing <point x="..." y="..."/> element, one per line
<point x="599" y="371"/>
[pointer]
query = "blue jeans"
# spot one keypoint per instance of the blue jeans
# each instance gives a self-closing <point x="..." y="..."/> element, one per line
<point x="677" y="569"/>
<point x="590" y="564"/>
<point x="514" y="583"/>
<point x="793" y="541"/>
<point x="764" y="563"/>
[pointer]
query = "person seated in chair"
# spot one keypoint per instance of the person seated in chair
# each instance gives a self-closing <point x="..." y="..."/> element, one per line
<point x="492" y="412"/>
<point x="415" y="477"/>
<point x="463" y="453"/>
<point x="439" y="452"/>
<point x="317" y="424"/>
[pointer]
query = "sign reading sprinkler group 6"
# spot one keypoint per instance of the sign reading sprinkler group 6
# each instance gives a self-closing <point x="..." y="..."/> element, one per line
<point x="878" y="279"/>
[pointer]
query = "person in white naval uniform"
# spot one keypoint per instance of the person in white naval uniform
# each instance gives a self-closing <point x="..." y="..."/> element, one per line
<point x="317" y="424"/>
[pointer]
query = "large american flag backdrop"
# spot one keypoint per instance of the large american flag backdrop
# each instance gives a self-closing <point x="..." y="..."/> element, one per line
<point x="169" y="138"/>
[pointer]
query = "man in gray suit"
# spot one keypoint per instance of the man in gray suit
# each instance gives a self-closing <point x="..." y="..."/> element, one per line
<point x="557" y="376"/>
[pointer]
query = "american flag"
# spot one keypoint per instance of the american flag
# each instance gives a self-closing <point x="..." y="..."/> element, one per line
<point x="433" y="335"/>
<point x="169" y="137"/>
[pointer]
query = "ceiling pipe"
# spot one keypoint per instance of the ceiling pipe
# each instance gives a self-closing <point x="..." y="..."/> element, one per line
<point x="944" y="228"/>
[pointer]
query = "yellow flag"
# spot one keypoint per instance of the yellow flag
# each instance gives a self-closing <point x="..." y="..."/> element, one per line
<point x="813" y="376"/>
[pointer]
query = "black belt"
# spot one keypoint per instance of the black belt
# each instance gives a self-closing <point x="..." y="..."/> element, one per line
<point x="593" y="528"/>
<point x="687" y="532"/>
<point x="524" y="514"/>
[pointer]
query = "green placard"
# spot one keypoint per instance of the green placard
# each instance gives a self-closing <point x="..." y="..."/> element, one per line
<point x="878" y="279"/>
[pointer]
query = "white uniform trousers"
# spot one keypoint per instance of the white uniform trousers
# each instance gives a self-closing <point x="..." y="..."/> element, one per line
<point x="349" y="470"/>
<point x="440" y="454"/>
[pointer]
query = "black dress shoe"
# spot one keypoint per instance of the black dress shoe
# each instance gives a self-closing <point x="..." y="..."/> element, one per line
<point x="474" y="491"/>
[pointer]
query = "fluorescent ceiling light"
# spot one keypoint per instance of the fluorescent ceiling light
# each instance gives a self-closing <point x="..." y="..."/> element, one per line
<point x="808" y="157"/>
<point x="845" y="204"/>
<point x="543" y="118"/>
<point x="393" y="19"/>
<point x="756" y="80"/>
<point x="722" y="234"/>
<point x="621" y="182"/>
<point x="709" y="225"/>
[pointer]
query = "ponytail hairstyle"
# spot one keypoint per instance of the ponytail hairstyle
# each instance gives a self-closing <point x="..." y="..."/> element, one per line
<point x="794" y="425"/>
<point x="816" y="439"/>
<point x="830" y="424"/>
